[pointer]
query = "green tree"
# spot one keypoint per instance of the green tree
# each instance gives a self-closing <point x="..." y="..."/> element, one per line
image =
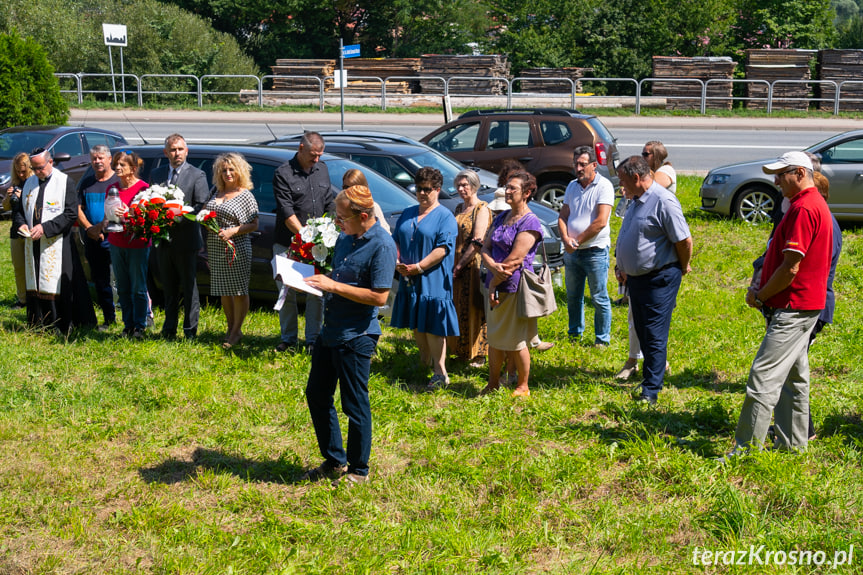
<point x="31" y="94"/>
<point x="163" y="39"/>
<point x="806" y="24"/>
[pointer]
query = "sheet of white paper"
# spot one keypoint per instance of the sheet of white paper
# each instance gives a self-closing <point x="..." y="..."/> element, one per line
<point x="292" y="273"/>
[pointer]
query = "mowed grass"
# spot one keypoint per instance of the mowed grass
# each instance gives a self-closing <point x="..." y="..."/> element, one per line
<point x="156" y="457"/>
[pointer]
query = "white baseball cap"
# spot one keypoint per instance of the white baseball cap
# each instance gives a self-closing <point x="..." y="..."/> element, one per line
<point x="788" y="160"/>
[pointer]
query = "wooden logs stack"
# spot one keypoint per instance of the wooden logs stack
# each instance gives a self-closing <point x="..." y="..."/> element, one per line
<point x="687" y="95"/>
<point x="772" y="65"/>
<point x="494" y="66"/>
<point x="551" y="86"/>
<point x="302" y="67"/>
<point x="841" y="65"/>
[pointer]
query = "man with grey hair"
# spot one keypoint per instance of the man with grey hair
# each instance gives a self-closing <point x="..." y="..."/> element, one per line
<point x="92" y="190"/>
<point x="302" y="190"/>
<point x="56" y="291"/>
<point x="791" y="293"/>
<point x="586" y="237"/>
<point x="654" y="249"/>
<point x="178" y="258"/>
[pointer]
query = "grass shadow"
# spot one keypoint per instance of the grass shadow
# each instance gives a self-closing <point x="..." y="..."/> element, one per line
<point x="694" y="431"/>
<point x="847" y="426"/>
<point x="174" y="470"/>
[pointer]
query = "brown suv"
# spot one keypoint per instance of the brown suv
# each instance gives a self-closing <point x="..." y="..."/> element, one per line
<point x="540" y="138"/>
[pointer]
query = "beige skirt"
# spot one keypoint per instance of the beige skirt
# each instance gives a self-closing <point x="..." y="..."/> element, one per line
<point x="506" y="330"/>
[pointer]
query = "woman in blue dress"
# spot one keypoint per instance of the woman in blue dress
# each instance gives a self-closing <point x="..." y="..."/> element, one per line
<point x="425" y="237"/>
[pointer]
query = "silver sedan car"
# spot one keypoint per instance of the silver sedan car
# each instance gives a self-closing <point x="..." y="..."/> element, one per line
<point x="744" y="191"/>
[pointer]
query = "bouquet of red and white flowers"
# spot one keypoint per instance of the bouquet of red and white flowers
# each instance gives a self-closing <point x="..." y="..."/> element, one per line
<point x="314" y="243"/>
<point x="209" y="221"/>
<point x="154" y="211"/>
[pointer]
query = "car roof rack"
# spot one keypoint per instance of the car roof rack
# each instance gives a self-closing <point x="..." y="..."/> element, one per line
<point x="526" y="111"/>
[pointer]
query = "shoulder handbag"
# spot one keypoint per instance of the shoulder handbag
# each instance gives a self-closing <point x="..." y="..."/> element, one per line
<point x="535" y="295"/>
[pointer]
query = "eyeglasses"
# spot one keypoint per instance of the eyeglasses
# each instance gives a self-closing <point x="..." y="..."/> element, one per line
<point x="36" y="168"/>
<point x="786" y="172"/>
<point x="343" y="220"/>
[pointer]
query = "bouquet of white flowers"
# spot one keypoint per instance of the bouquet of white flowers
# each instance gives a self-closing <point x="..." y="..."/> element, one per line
<point x="314" y="243"/>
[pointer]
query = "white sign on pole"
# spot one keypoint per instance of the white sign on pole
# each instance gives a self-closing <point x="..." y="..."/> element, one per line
<point x="340" y="78"/>
<point x="115" y="34"/>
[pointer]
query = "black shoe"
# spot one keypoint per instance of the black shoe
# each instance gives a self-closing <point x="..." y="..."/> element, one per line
<point x="137" y="333"/>
<point x="649" y="400"/>
<point x="325" y="470"/>
<point x="285" y="346"/>
<point x="169" y="336"/>
<point x="103" y="328"/>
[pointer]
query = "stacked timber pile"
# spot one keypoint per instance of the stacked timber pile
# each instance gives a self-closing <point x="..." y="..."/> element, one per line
<point x="772" y="65"/>
<point x="381" y="68"/>
<point x="357" y="68"/>
<point x="841" y="65"/>
<point x="687" y="95"/>
<point x="295" y="67"/>
<point x="551" y="86"/>
<point x="494" y="66"/>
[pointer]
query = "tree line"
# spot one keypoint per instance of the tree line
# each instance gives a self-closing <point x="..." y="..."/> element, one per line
<point x="615" y="37"/>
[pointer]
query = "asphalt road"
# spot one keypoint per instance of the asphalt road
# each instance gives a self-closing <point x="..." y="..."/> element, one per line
<point x="695" y="145"/>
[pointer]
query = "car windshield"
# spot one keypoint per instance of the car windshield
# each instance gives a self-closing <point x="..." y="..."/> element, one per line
<point x="389" y="196"/>
<point x="13" y="142"/>
<point x="448" y="168"/>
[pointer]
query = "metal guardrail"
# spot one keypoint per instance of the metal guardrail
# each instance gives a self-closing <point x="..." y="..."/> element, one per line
<point x="512" y="82"/>
<point x="388" y="79"/>
<point x="644" y="81"/>
<point x="848" y="100"/>
<point x="807" y="99"/>
<point x="170" y="92"/>
<point x="318" y="80"/>
<point x="446" y="85"/>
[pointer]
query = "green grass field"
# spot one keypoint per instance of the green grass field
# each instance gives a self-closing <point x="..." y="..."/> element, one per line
<point x="157" y="457"/>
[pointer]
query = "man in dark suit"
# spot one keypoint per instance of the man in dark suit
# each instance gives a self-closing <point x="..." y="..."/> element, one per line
<point x="178" y="258"/>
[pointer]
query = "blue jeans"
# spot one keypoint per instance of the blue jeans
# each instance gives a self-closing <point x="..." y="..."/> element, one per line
<point x="589" y="264"/>
<point x="288" y="314"/>
<point x="652" y="298"/>
<point x="130" y="270"/>
<point x="347" y="365"/>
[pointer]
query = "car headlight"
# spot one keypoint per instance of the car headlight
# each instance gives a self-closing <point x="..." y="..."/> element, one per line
<point x="718" y="179"/>
<point x="5" y="179"/>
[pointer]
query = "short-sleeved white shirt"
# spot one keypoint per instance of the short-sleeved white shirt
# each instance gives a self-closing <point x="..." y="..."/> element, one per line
<point x="584" y="206"/>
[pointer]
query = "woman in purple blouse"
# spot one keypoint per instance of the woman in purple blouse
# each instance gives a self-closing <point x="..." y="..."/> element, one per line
<point x="510" y="245"/>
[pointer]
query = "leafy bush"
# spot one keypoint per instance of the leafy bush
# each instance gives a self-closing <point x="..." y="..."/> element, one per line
<point x="163" y="39"/>
<point x="31" y="94"/>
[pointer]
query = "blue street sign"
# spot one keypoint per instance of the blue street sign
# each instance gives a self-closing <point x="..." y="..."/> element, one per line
<point x="352" y="51"/>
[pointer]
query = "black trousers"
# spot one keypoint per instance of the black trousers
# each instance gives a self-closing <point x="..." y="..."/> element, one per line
<point x="178" y="269"/>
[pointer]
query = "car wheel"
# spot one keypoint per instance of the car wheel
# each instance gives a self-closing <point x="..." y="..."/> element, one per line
<point x="756" y="204"/>
<point x="551" y="194"/>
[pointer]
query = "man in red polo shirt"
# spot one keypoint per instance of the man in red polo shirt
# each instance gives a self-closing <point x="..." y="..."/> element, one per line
<point x="791" y="294"/>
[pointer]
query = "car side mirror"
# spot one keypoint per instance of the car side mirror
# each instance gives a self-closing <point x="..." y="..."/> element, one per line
<point x="62" y="157"/>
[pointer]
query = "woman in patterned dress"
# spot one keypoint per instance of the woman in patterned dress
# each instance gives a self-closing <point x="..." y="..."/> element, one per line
<point x="237" y="215"/>
<point x="472" y="217"/>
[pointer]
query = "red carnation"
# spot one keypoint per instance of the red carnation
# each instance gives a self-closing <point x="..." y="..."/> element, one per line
<point x="154" y="229"/>
<point x="152" y="214"/>
<point x="140" y="221"/>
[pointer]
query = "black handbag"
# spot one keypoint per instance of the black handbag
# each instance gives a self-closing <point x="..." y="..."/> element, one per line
<point x="535" y="295"/>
